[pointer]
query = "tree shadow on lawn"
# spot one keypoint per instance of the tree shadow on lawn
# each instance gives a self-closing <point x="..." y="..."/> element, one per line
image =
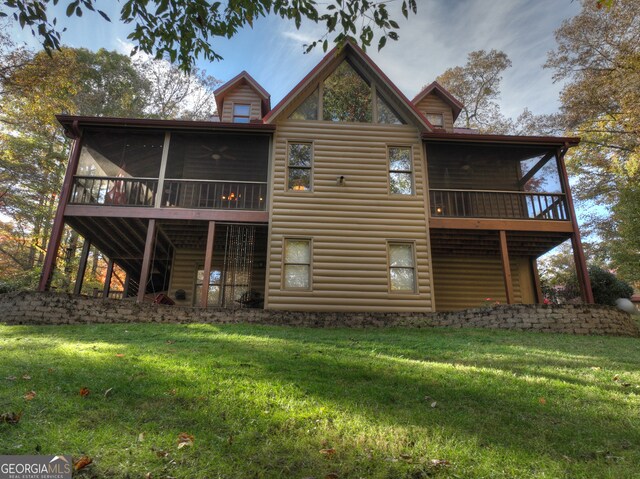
<point x="256" y="371"/>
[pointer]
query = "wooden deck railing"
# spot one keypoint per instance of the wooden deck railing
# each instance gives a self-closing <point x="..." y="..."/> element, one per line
<point x="114" y="191"/>
<point x="118" y="191"/>
<point x="498" y="204"/>
<point x="214" y="194"/>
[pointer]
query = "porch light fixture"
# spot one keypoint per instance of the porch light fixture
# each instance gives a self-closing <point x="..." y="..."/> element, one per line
<point x="439" y="210"/>
<point x="341" y="180"/>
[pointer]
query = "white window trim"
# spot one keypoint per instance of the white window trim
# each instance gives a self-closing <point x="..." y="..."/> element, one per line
<point x="233" y="112"/>
<point x="390" y="243"/>
<point x="286" y="184"/>
<point x="412" y="171"/>
<point x="283" y="285"/>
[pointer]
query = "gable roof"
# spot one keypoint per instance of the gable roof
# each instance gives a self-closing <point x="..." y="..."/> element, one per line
<point x="330" y="61"/>
<point x="435" y="87"/>
<point x="243" y="78"/>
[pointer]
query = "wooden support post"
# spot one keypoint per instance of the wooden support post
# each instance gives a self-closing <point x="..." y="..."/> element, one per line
<point x="536" y="281"/>
<point x="208" y="256"/>
<point x="576" y="244"/>
<point x="58" y="222"/>
<point x="77" y="288"/>
<point x="146" y="260"/>
<point x="125" y="288"/>
<point x="107" y="279"/>
<point x="506" y="267"/>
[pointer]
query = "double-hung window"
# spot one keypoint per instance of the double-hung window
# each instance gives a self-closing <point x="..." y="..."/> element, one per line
<point x="241" y="113"/>
<point x="299" y="162"/>
<point x="297" y="264"/>
<point x="402" y="269"/>
<point x="400" y="170"/>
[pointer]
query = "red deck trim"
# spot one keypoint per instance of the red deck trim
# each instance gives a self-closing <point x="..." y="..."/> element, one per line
<point x="485" y="138"/>
<point x="67" y="121"/>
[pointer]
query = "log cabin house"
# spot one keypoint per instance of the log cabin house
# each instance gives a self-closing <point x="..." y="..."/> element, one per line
<point x="346" y="196"/>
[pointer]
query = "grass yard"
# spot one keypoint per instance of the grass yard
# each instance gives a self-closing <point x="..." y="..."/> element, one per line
<point x="271" y="402"/>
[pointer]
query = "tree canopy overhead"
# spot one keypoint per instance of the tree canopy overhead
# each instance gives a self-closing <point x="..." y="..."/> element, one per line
<point x="182" y="30"/>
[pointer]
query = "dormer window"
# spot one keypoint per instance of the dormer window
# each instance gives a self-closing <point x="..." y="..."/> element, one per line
<point x="241" y="113"/>
<point x="436" y="119"/>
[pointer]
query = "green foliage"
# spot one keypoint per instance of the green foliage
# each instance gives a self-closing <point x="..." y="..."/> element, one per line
<point x="607" y="287"/>
<point x="346" y="97"/>
<point x="182" y="30"/>
<point x="598" y="58"/>
<point x="262" y="402"/>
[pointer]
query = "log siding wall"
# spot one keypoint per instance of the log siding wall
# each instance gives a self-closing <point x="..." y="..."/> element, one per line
<point x="351" y="224"/>
<point x="462" y="282"/>
<point x="244" y="95"/>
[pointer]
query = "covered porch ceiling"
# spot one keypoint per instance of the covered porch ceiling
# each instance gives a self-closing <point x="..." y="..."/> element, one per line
<point x="458" y="242"/>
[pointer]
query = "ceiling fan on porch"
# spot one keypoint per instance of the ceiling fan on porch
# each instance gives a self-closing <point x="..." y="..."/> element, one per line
<point x="217" y="154"/>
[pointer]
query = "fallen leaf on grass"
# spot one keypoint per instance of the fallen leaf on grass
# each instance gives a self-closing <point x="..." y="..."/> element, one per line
<point x="332" y="475"/>
<point x="147" y="475"/>
<point x="434" y="403"/>
<point x="170" y="341"/>
<point x="141" y="437"/>
<point x="439" y="463"/>
<point x="107" y="392"/>
<point x="160" y="452"/>
<point x="625" y="385"/>
<point x="11" y="417"/>
<point x="84" y="392"/>
<point x="328" y="452"/>
<point x="184" y="440"/>
<point x="406" y="457"/>
<point x="119" y="355"/>
<point x="542" y="401"/>
<point x="11" y="378"/>
<point x="81" y="463"/>
<point x="30" y="395"/>
<point x="616" y="377"/>
<point x="26" y="377"/>
<point x="172" y="392"/>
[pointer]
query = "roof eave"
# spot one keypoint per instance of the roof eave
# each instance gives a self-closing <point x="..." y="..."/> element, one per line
<point x="558" y="141"/>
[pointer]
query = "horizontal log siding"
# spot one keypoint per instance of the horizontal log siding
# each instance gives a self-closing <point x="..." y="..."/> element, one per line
<point x="466" y="281"/>
<point x="432" y="104"/>
<point x="183" y="274"/>
<point x="349" y="224"/>
<point x="245" y="95"/>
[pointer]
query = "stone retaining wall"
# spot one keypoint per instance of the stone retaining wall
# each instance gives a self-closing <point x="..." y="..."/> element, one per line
<point x="61" y="308"/>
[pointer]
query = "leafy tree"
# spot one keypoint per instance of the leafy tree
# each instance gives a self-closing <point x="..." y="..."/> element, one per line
<point x="182" y="30"/>
<point x="173" y="93"/>
<point x="477" y="86"/>
<point x="598" y="56"/>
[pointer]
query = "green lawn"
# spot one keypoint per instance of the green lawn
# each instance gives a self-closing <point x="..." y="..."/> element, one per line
<point x="272" y="402"/>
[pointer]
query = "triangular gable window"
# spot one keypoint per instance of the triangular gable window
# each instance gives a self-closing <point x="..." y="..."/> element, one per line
<point x="308" y="110"/>
<point x="386" y="114"/>
<point x="346" y="96"/>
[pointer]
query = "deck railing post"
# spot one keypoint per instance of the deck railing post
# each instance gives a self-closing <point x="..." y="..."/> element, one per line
<point x="163" y="170"/>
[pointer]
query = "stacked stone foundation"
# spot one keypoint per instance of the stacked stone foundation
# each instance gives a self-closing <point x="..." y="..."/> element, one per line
<point x="60" y="308"/>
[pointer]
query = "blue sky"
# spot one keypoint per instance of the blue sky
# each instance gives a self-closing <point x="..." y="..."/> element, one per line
<point x="438" y="37"/>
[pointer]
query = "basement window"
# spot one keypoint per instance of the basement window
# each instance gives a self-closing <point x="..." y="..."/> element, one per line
<point x="402" y="271"/>
<point x="297" y="264"/>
